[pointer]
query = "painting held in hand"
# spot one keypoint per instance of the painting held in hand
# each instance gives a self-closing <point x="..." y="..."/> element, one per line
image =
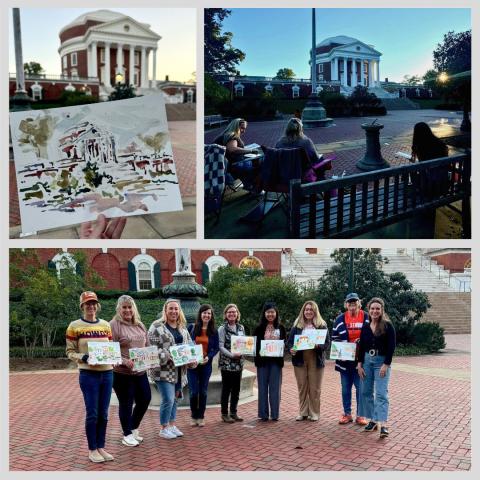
<point x="73" y="163"/>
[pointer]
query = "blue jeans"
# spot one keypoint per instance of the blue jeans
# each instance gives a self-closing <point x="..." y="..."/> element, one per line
<point x="349" y="378"/>
<point x="269" y="379"/>
<point x="198" y="379"/>
<point x="168" y="405"/>
<point x="374" y="399"/>
<point x="131" y="389"/>
<point x="97" y="389"/>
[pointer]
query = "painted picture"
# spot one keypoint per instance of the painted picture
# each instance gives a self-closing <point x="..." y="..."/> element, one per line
<point x="144" y="358"/>
<point x="104" y="353"/>
<point x="303" y="342"/>
<point x="183" y="354"/>
<point x="271" y="348"/>
<point x="243" y="345"/>
<point x="113" y="158"/>
<point x="343" y="351"/>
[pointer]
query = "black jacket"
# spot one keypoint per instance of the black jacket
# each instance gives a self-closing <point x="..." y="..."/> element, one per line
<point x="260" y="334"/>
<point x="297" y="359"/>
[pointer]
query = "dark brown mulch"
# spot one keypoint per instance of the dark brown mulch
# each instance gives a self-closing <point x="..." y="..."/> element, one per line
<point x="29" y="364"/>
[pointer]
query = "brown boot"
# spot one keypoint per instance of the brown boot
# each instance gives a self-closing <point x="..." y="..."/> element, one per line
<point x="236" y="418"/>
<point x="227" y="419"/>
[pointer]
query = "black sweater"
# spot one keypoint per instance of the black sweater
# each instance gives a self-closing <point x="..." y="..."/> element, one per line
<point x="385" y="343"/>
<point x="260" y="334"/>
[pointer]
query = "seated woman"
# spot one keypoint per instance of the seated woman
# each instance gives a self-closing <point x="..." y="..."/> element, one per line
<point x="238" y="166"/>
<point x="426" y="146"/>
<point x="294" y="137"/>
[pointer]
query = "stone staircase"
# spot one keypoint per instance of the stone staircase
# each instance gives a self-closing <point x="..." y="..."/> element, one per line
<point x="452" y="310"/>
<point x="399" y="104"/>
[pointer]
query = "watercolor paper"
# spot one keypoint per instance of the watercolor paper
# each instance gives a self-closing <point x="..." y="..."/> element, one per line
<point x="73" y="163"/>
<point x="104" y="353"/>
<point x="343" y="351"/>
<point x="271" y="348"/>
<point x="144" y="358"/>
<point x="243" y="345"/>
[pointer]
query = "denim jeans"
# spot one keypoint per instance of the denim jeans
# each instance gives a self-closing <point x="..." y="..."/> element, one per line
<point x="97" y="389"/>
<point x="374" y="399"/>
<point x="269" y="379"/>
<point x="349" y="378"/>
<point x="168" y="405"/>
<point x="198" y="379"/>
<point x="131" y="389"/>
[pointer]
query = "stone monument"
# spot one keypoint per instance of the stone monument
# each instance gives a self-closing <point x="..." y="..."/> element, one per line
<point x="373" y="159"/>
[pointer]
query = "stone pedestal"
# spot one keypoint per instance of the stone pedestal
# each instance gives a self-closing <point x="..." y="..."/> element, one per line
<point x="314" y="115"/>
<point x="373" y="159"/>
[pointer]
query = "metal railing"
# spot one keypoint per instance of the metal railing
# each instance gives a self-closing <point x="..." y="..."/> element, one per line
<point x="426" y="262"/>
<point x="48" y="77"/>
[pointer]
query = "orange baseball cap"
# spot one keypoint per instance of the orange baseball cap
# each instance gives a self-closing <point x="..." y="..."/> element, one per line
<point x="88" y="296"/>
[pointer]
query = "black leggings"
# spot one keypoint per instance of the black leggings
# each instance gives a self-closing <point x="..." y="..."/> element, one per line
<point x="230" y="388"/>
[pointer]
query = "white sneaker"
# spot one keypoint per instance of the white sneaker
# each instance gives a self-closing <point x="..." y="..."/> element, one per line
<point x="166" y="433"/>
<point x="173" y="429"/>
<point x="130" y="441"/>
<point x="136" y="435"/>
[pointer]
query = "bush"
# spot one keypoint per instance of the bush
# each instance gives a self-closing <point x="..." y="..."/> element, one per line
<point x="429" y="335"/>
<point x="406" y="350"/>
<point x="214" y="94"/>
<point x="250" y="108"/>
<point x="39" y="352"/>
<point x="449" y="106"/>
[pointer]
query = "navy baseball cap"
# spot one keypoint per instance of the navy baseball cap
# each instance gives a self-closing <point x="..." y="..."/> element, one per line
<point x="352" y="297"/>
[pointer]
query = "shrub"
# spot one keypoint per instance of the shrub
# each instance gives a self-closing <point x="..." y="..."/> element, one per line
<point x="429" y="335"/>
<point x="38" y="352"/>
<point x="250" y="108"/>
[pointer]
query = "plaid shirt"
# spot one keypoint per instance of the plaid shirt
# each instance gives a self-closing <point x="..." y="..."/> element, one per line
<point x="159" y="336"/>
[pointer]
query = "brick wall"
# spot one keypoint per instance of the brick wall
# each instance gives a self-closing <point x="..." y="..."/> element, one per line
<point x="455" y="262"/>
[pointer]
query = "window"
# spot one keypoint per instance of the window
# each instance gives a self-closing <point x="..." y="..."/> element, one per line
<point x="189" y="95"/>
<point x="320" y="78"/>
<point x="239" y="90"/>
<point x="63" y="262"/>
<point x="73" y="59"/>
<point x="214" y="263"/>
<point x="74" y="73"/>
<point x="36" y="91"/>
<point x="320" y="68"/>
<point x="295" y="91"/>
<point x="144" y="276"/>
<point x="64" y="61"/>
<point x="269" y="88"/>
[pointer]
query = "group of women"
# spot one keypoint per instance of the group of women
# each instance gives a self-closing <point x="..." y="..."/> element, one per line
<point x="376" y="343"/>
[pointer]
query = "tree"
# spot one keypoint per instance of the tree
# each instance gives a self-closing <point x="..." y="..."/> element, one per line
<point x="285" y="74"/>
<point x="404" y="305"/>
<point x="121" y="91"/>
<point x="32" y="68"/>
<point x="454" y="57"/>
<point x="412" y="79"/>
<point x="214" y="94"/>
<point x="220" y="56"/>
<point x="430" y="77"/>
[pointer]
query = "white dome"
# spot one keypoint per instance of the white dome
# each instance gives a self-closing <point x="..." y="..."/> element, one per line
<point x="340" y="39"/>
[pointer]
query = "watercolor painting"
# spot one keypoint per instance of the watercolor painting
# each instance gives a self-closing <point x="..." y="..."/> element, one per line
<point x="272" y="348"/>
<point x="343" y="351"/>
<point x="73" y="163"/>
<point x="144" y="358"/>
<point x="243" y="345"/>
<point x="104" y="353"/>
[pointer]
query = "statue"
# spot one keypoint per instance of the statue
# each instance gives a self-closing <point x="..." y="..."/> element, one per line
<point x="183" y="261"/>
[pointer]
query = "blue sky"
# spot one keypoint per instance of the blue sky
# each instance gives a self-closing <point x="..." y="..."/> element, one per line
<point x="176" y="54"/>
<point x="278" y="38"/>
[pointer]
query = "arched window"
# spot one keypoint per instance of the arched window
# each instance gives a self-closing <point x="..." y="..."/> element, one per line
<point x="214" y="263"/>
<point x="144" y="272"/>
<point x="189" y="95"/>
<point x="145" y="276"/>
<point x="73" y="59"/>
<point x="251" y="262"/>
<point x="295" y="91"/>
<point x="239" y="89"/>
<point x="269" y="88"/>
<point x="64" y="261"/>
<point x="70" y="88"/>
<point x="36" y="91"/>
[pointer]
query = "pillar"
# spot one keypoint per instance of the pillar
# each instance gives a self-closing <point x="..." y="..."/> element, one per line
<point x="334" y="75"/>
<point x="119" y="67"/>
<point x="345" y="73"/>
<point x="143" y="69"/>
<point x="378" y="72"/>
<point x="94" y="60"/>
<point x="370" y="73"/>
<point x="107" y="65"/>
<point x="154" y="73"/>
<point x="362" y="72"/>
<point x="131" y="66"/>
<point x="354" y="73"/>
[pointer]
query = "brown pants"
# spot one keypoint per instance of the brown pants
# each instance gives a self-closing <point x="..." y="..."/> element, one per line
<point x="309" y="382"/>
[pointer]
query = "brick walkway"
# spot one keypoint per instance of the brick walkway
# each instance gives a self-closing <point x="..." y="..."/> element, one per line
<point x="430" y="426"/>
<point x="182" y="135"/>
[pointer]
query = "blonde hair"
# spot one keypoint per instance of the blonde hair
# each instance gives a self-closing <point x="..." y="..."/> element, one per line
<point x="358" y="302"/>
<point x="293" y="130"/>
<point x="127" y="299"/>
<point x="182" y="321"/>
<point x="228" y="307"/>
<point x="233" y="130"/>
<point x="318" y="321"/>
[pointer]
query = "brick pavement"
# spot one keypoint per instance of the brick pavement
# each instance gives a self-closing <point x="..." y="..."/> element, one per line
<point x="429" y="423"/>
<point x="182" y="135"/>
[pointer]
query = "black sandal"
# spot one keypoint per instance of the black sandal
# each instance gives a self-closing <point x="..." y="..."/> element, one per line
<point x="383" y="432"/>
<point x="371" y="426"/>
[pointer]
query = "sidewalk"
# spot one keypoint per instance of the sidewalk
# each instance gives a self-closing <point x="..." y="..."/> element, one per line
<point x="429" y="425"/>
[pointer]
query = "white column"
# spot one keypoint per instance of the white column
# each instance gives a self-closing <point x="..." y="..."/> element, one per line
<point x="107" y="65"/>
<point x="370" y="73"/>
<point x="354" y="73"/>
<point x="334" y="75"/>
<point x="131" y="66"/>
<point x="89" y="61"/>
<point x="119" y="67"/>
<point x="345" y="82"/>
<point x="362" y="71"/>
<point x="154" y="67"/>
<point x="143" y="68"/>
<point x="378" y="72"/>
<point x="94" y="60"/>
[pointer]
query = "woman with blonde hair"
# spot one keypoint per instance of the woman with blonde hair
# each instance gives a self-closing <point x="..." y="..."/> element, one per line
<point x="132" y="387"/>
<point x="376" y="347"/>
<point x="167" y="331"/>
<point x="308" y="364"/>
<point x="230" y="364"/>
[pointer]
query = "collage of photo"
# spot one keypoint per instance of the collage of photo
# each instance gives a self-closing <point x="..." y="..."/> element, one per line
<point x="305" y="305"/>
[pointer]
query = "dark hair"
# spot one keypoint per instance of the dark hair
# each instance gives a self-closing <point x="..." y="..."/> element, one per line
<point x="382" y="322"/>
<point x="263" y="321"/>
<point x="425" y="145"/>
<point x="197" y="330"/>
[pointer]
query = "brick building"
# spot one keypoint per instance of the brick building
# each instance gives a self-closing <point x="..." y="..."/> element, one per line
<point x="136" y="269"/>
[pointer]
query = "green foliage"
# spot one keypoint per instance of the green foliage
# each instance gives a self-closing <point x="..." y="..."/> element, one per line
<point x="121" y="91"/>
<point x="39" y="352"/>
<point x="408" y="350"/>
<point x="68" y="99"/>
<point x="250" y="108"/>
<point x="404" y="306"/>
<point x="430" y="77"/>
<point x="33" y="68"/>
<point x="285" y="74"/>
<point x="411" y="80"/>
<point x="291" y="105"/>
<point x="429" y="335"/>
<point x="214" y="94"/>
<point x="365" y="103"/>
<point x="219" y="54"/>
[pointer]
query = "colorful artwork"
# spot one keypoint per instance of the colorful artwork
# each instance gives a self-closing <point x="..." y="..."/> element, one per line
<point x="271" y="348"/>
<point x="104" y="353"/>
<point x="243" y="345"/>
<point x="318" y="335"/>
<point x="303" y="342"/>
<point x="183" y="354"/>
<point x="144" y="358"/>
<point x="343" y="351"/>
<point x="113" y="158"/>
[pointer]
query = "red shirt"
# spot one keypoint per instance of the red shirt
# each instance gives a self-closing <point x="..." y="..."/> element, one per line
<point x="354" y="325"/>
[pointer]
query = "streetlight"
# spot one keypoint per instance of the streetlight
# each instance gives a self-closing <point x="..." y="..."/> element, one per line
<point x="350" y="271"/>
<point x="232" y="79"/>
<point x="119" y="78"/>
<point x="443" y="77"/>
<point x="466" y="126"/>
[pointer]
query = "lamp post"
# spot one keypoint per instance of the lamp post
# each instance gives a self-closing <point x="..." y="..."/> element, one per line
<point x="118" y="78"/>
<point x="350" y="271"/>
<point x="232" y="79"/>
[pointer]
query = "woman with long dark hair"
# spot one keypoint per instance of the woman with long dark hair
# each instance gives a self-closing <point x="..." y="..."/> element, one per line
<point x="376" y="347"/>
<point x="203" y="333"/>
<point x="269" y="369"/>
